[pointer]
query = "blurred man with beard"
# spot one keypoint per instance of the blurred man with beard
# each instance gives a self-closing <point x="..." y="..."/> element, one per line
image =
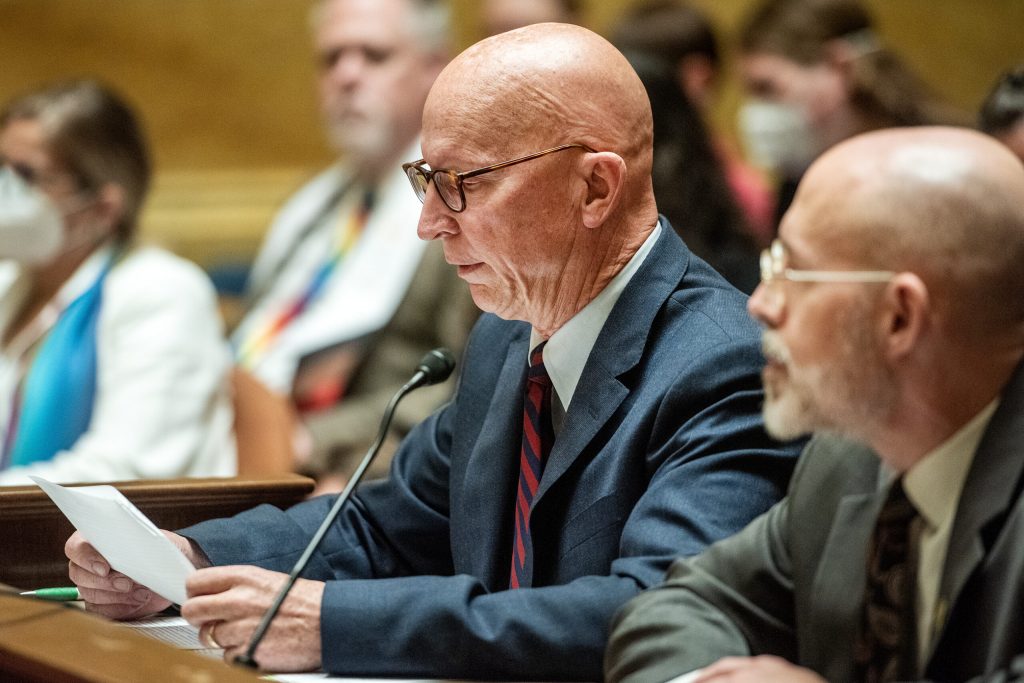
<point x="344" y="298"/>
<point x="893" y="304"/>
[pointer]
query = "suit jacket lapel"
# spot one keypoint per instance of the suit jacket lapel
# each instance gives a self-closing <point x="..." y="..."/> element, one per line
<point x="618" y="349"/>
<point x="588" y="412"/>
<point x="991" y="487"/>
<point x="492" y="471"/>
<point x="837" y="595"/>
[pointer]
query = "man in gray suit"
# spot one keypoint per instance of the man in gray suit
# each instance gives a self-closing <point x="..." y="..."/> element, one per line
<point x="893" y="304"/>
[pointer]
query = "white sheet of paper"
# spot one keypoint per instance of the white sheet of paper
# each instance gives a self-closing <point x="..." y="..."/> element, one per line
<point x="124" y="536"/>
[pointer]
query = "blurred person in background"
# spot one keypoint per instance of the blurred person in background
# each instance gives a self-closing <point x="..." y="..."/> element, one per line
<point x="683" y="38"/>
<point x="689" y="182"/>
<point x="498" y="16"/>
<point x="113" y="364"/>
<point x="344" y="298"/>
<point x="817" y="72"/>
<point x="1002" y="113"/>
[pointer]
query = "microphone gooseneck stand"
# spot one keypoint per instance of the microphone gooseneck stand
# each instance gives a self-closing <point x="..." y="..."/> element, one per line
<point x="434" y="367"/>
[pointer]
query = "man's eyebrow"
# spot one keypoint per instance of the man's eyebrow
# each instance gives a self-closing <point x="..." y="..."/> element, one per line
<point x="461" y="164"/>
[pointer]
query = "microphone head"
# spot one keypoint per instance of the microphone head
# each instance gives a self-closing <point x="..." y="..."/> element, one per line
<point x="436" y="366"/>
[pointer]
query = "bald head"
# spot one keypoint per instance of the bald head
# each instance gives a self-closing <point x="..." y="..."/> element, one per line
<point x="538" y="241"/>
<point x="544" y="85"/>
<point x="944" y="203"/>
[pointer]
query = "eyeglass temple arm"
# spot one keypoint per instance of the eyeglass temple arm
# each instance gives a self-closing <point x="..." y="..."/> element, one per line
<point x="837" y="275"/>
<point x="512" y="162"/>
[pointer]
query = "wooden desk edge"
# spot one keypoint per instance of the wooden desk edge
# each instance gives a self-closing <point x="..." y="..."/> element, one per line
<point x="274" y="489"/>
<point x="33" y="531"/>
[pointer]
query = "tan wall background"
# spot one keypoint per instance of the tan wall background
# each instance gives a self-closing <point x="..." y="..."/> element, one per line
<point x="225" y="87"/>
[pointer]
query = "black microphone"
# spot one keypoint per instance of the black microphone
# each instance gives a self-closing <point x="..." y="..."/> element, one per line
<point x="434" y="368"/>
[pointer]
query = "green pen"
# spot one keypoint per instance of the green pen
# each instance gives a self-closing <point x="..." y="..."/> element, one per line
<point x="64" y="594"/>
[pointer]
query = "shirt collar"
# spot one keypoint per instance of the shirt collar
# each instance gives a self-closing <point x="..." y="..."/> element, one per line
<point x="84" y="276"/>
<point x="934" y="484"/>
<point x="568" y="349"/>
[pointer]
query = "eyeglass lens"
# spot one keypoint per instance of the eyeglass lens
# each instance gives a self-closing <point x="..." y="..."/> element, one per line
<point x="418" y="180"/>
<point x="445" y="184"/>
<point x="773" y="261"/>
<point x="766" y="266"/>
<point x="448" y="187"/>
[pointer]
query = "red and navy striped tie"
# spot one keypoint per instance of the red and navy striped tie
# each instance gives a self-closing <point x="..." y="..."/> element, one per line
<point x="538" y="436"/>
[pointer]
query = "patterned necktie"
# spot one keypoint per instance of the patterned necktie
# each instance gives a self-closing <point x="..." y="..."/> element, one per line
<point x="885" y="648"/>
<point x="538" y="436"/>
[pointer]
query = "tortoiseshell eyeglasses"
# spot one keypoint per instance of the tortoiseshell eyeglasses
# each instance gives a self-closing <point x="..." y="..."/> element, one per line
<point x="449" y="183"/>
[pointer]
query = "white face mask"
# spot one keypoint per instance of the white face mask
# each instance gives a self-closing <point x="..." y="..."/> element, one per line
<point x="31" y="225"/>
<point x="778" y="137"/>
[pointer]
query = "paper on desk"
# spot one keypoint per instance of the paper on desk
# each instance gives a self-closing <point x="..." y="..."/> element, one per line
<point x="171" y="630"/>
<point x="124" y="536"/>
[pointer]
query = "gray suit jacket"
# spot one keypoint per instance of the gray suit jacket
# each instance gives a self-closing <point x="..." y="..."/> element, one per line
<point x="791" y="583"/>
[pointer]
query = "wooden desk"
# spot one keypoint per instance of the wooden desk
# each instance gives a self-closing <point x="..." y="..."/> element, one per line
<point x="48" y="642"/>
<point x="33" y="530"/>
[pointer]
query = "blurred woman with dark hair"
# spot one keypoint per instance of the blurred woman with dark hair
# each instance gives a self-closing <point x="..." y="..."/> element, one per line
<point x="683" y="39"/>
<point x="112" y="361"/>
<point x="689" y="184"/>
<point x="1002" y="112"/>
<point x="817" y="72"/>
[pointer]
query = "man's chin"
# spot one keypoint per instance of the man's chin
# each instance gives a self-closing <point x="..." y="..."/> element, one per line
<point x="772" y="374"/>
<point x="357" y="140"/>
<point x="782" y="421"/>
<point x="490" y="299"/>
<point x="784" y="432"/>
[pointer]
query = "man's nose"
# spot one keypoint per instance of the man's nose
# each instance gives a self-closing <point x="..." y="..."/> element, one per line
<point x="766" y="305"/>
<point x="436" y="219"/>
<point x="347" y="69"/>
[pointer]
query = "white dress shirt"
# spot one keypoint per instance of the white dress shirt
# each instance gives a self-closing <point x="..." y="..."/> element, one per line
<point x="934" y="486"/>
<point x="568" y="349"/>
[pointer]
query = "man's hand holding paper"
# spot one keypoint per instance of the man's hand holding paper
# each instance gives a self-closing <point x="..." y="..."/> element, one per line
<point x="126" y="568"/>
<point x="122" y="564"/>
<point x="109" y="592"/>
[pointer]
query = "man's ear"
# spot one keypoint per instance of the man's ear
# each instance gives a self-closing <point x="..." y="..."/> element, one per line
<point x="906" y="315"/>
<point x="604" y="174"/>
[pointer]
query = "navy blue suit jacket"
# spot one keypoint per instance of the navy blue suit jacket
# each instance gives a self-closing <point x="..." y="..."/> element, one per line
<point x="662" y="451"/>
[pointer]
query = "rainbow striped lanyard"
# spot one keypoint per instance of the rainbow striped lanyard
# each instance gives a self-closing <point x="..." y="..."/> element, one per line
<point x="353" y="222"/>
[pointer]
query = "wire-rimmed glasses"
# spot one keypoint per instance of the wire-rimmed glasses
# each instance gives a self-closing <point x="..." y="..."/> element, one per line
<point x="775" y="266"/>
